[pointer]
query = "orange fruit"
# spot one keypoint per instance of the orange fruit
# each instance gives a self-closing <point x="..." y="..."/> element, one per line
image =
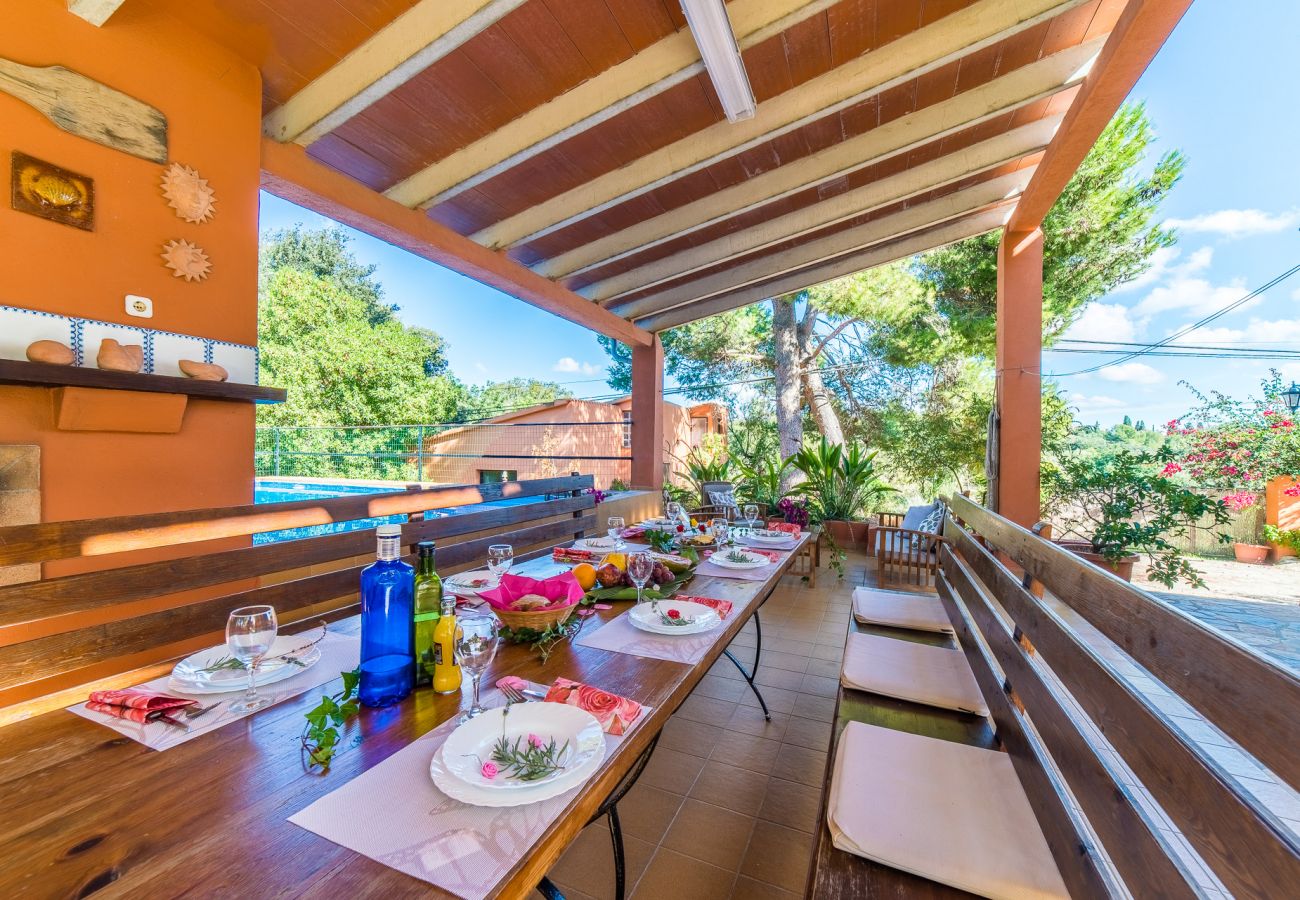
<point x="586" y="575"/>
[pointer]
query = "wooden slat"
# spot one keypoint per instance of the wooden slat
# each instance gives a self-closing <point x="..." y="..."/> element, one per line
<point x="33" y="374"/>
<point x="25" y="603"/>
<point x="1250" y="851"/>
<point x="1131" y="841"/>
<point x="96" y="537"/>
<point x="31" y="660"/>
<point x="1076" y="859"/>
<point x="1250" y="697"/>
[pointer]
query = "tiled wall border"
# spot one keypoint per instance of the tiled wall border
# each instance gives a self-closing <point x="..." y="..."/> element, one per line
<point x="77" y="327"/>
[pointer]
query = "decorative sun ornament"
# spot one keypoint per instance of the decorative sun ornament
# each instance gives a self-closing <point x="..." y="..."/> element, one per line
<point x="186" y="260"/>
<point x="188" y="194"/>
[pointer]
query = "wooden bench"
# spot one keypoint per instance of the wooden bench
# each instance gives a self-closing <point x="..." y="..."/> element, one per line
<point x="1110" y="780"/>
<point x="77" y="627"/>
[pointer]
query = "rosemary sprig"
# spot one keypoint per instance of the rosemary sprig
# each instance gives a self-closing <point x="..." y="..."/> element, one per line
<point x="544" y="641"/>
<point x="738" y="556"/>
<point x="320" y="737"/>
<point x="237" y="665"/>
<point x="527" y="761"/>
<point x="669" y="619"/>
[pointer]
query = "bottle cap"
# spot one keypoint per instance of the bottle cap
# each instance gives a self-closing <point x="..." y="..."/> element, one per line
<point x="425" y="548"/>
<point x="388" y="531"/>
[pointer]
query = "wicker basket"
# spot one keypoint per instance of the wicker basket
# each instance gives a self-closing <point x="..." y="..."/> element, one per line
<point x="538" y="620"/>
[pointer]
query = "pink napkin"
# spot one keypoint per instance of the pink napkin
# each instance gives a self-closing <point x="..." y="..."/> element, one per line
<point x="722" y="606"/>
<point x="614" y="713"/>
<point x="136" y="705"/>
<point x="562" y="590"/>
<point x="632" y="532"/>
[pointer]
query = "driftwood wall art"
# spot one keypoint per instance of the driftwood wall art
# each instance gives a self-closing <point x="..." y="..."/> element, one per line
<point x="43" y="189"/>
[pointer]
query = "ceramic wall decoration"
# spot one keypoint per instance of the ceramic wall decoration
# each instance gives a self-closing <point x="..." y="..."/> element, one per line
<point x="188" y="194"/>
<point x="117" y="357"/>
<point x="84" y="107"/>
<point x="43" y="189"/>
<point x="186" y="260"/>
<point x="54" y="352"/>
<point x="201" y="371"/>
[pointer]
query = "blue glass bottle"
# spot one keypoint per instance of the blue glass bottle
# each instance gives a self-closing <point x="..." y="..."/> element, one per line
<point x="387" y="623"/>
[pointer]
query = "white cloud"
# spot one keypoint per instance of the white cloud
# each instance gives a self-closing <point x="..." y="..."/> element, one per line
<point x="1272" y="333"/>
<point x="1132" y="373"/>
<point x="1163" y="263"/>
<point x="1236" y="223"/>
<point x="1196" y="295"/>
<point x="1100" y="401"/>
<point x="1104" y="322"/>
<point x="571" y="366"/>
<point x="1295" y="294"/>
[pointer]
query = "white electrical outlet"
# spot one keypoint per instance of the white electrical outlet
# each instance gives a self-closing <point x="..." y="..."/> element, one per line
<point x="141" y="307"/>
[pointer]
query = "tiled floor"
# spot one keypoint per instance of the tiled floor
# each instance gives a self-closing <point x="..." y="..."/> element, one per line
<point x="728" y="803"/>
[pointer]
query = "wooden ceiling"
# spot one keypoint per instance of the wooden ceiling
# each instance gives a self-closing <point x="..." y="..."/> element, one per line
<point x="583" y="138"/>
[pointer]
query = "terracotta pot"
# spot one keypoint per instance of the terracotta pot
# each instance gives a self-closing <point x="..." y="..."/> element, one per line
<point x="1255" y="554"/>
<point x="848" y="535"/>
<point x="1122" y="568"/>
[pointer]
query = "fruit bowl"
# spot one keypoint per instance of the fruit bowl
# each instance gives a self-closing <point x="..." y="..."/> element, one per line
<point x="563" y="592"/>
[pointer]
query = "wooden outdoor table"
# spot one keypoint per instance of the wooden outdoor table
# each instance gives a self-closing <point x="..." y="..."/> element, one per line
<point x="86" y="809"/>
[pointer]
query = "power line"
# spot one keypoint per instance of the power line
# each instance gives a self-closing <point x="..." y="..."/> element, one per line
<point x="1134" y="344"/>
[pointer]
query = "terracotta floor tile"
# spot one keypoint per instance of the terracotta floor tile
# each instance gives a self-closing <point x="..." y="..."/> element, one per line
<point x="800" y="764"/>
<point x="706" y="709"/>
<point x="671" y="770"/>
<point x="781" y="678"/>
<point x="825" y="668"/>
<point x="680" y="877"/>
<point x="725" y="668"/>
<point x="748" y="752"/>
<point x="810" y="733"/>
<point x="720" y="688"/>
<point x="819" y="686"/>
<point x="810" y="706"/>
<point x="730" y="787"/>
<point x="710" y="833"/>
<point x="588" y="865"/>
<point x="646" y="812"/>
<point x="779" y="659"/>
<point x="778" y="855"/>
<point x="828" y="652"/>
<point x="791" y="804"/>
<point x="685" y="736"/>
<point x="778" y="700"/>
<point x="747" y="888"/>
<point x="750" y="720"/>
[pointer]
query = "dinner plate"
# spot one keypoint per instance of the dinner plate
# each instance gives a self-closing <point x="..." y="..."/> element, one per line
<point x="648" y="617"/>
<point x="751" y="561"/>
<point x="760" y="536"/>
<point x="598" y="543"/>
<point x="463" y="582"/>
<point x="471" y="745"/>
<point x="189" y="675"/>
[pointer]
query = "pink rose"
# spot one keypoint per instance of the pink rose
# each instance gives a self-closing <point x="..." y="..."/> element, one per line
<point x="535" y="741"/>
<point x="674" y="614"/>
<point x="489" y="770"/>
<point x="614" y="713"/>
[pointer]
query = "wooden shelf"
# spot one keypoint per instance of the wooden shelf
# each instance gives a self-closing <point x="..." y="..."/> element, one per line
<point x="31" y="374"/>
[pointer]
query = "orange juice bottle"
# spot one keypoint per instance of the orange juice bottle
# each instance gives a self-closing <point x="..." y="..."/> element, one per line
<point x="446" y="673"/>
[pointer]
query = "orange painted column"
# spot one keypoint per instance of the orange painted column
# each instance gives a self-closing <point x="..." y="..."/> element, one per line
<point x="1019" y="379"/>
<point x="648" y="416"/>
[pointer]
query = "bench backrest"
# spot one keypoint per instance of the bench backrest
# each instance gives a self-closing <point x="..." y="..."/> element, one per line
<point x="1094" y="751"/>
<point x="72" y="629"/>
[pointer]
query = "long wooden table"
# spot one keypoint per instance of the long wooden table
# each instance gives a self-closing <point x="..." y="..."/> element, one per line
<point x="87" y="810"/>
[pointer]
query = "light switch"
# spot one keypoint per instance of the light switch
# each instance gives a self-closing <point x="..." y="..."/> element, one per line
<point x="141" y="307"/>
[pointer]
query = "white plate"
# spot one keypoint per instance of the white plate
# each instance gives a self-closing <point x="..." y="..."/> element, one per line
<point x="770" y="537"/>
<point x="646" y="616"/>
<point x="188" y="677"/>
<point x="460" y="582"/>
<point x="470" y="745"/>
<point x="599" y="543"/>
<point x="752" y="560"/>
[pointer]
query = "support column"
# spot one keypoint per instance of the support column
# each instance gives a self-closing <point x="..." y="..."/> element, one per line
<point x="1019" y="382"/>
<point x="648" y="416"/>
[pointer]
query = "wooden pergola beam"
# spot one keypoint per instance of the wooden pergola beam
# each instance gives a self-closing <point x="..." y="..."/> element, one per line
<point x="96" y="12"/>
<point x="950" y="38"/>
<point x="762" y="268"/>
<point x="392" y="56"/>
<point x="879" y="255"/>
<point x="982" y="157"/>
<point x="288" y="172"/>
<point x="1139" y="34"/>
<point x="668" y="62"/>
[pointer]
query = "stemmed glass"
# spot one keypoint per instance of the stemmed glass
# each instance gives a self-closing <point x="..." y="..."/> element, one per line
<point x="720" y="531"/>
<point x="616" y="526"/>
<point x="250" y="632"/>
<point x="673" y="511"/>
<point x="500" y="558"/>
<point x="640" y="566"/>
<point x="750" y="513"/>
<point x="476" y="644"/>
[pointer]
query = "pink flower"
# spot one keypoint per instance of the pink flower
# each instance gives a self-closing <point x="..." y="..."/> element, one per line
<point x="614" y="713"/>
<point x="535" y="740"/>
<point x="489" y="770"/>
<point x="673" y="614"/>
<point x="1172" y="469"/>
<point x="1293" y="491"/>
<point x="1239" y="500"/>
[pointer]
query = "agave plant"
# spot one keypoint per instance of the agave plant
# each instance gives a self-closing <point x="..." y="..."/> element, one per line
<point x="705" y="466"/>
<point x="760" y="481"/>
<point x="840" y="482"/>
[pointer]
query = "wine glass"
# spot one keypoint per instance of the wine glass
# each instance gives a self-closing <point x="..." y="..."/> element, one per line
<point x="751" y="514"/>
<point x="476" y="644"/>
<point x="250" y="632"/>
<point x="673" y="511"/>
<point x="640" y="566"/>
<point x="616" y="526"/>
<point x="720" y="531"/>
<point x="500" y="558"/>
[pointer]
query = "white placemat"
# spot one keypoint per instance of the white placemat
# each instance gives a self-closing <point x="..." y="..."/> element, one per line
<point x="621" y="636"/>
<point x="395" y="814"/>
<point x="338" y="653"/>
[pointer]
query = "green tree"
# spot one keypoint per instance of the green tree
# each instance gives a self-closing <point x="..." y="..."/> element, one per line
<point x="497" y="397"/>
<point x="323" y="252"/>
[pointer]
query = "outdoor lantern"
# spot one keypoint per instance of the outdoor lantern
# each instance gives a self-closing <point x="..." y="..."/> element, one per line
<point x="1292" y="397"/>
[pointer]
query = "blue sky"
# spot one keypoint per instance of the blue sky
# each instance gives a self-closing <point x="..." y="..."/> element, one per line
<point x="1220" y="91"/>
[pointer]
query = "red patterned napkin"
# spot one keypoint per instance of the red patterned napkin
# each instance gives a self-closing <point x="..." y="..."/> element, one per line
<point x="614" y="713"/>
<point x="632" y="532"/>
<point x="789" y="528"/>
<point x="722" y="606"/>
<point x="573" y="555"/>
<point x="136" y="705"/>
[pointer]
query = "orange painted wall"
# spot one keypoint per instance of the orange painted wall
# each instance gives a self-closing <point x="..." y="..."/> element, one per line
<point x="212" y="102"/>
<point x="1281" y="510"/>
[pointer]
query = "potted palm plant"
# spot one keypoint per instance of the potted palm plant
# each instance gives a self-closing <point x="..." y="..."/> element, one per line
<point x="840" y="484"/>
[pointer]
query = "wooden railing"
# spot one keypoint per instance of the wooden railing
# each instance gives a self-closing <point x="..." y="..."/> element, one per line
<point x="1026" y="654"/>
<point x="52" y="630"/>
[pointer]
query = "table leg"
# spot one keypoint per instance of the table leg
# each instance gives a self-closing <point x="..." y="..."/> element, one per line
<point x="749" y="676"/>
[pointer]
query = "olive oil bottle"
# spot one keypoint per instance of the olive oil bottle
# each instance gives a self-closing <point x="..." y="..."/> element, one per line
<point x="446" y="673"/>
<point x="428" y="609"/>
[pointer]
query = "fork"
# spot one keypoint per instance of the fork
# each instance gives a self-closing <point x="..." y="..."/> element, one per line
<point x="192" y="712"/>
<point x="513" y="695"/>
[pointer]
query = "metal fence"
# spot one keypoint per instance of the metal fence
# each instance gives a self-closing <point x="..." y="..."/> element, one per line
<point x="448" y="453"/>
